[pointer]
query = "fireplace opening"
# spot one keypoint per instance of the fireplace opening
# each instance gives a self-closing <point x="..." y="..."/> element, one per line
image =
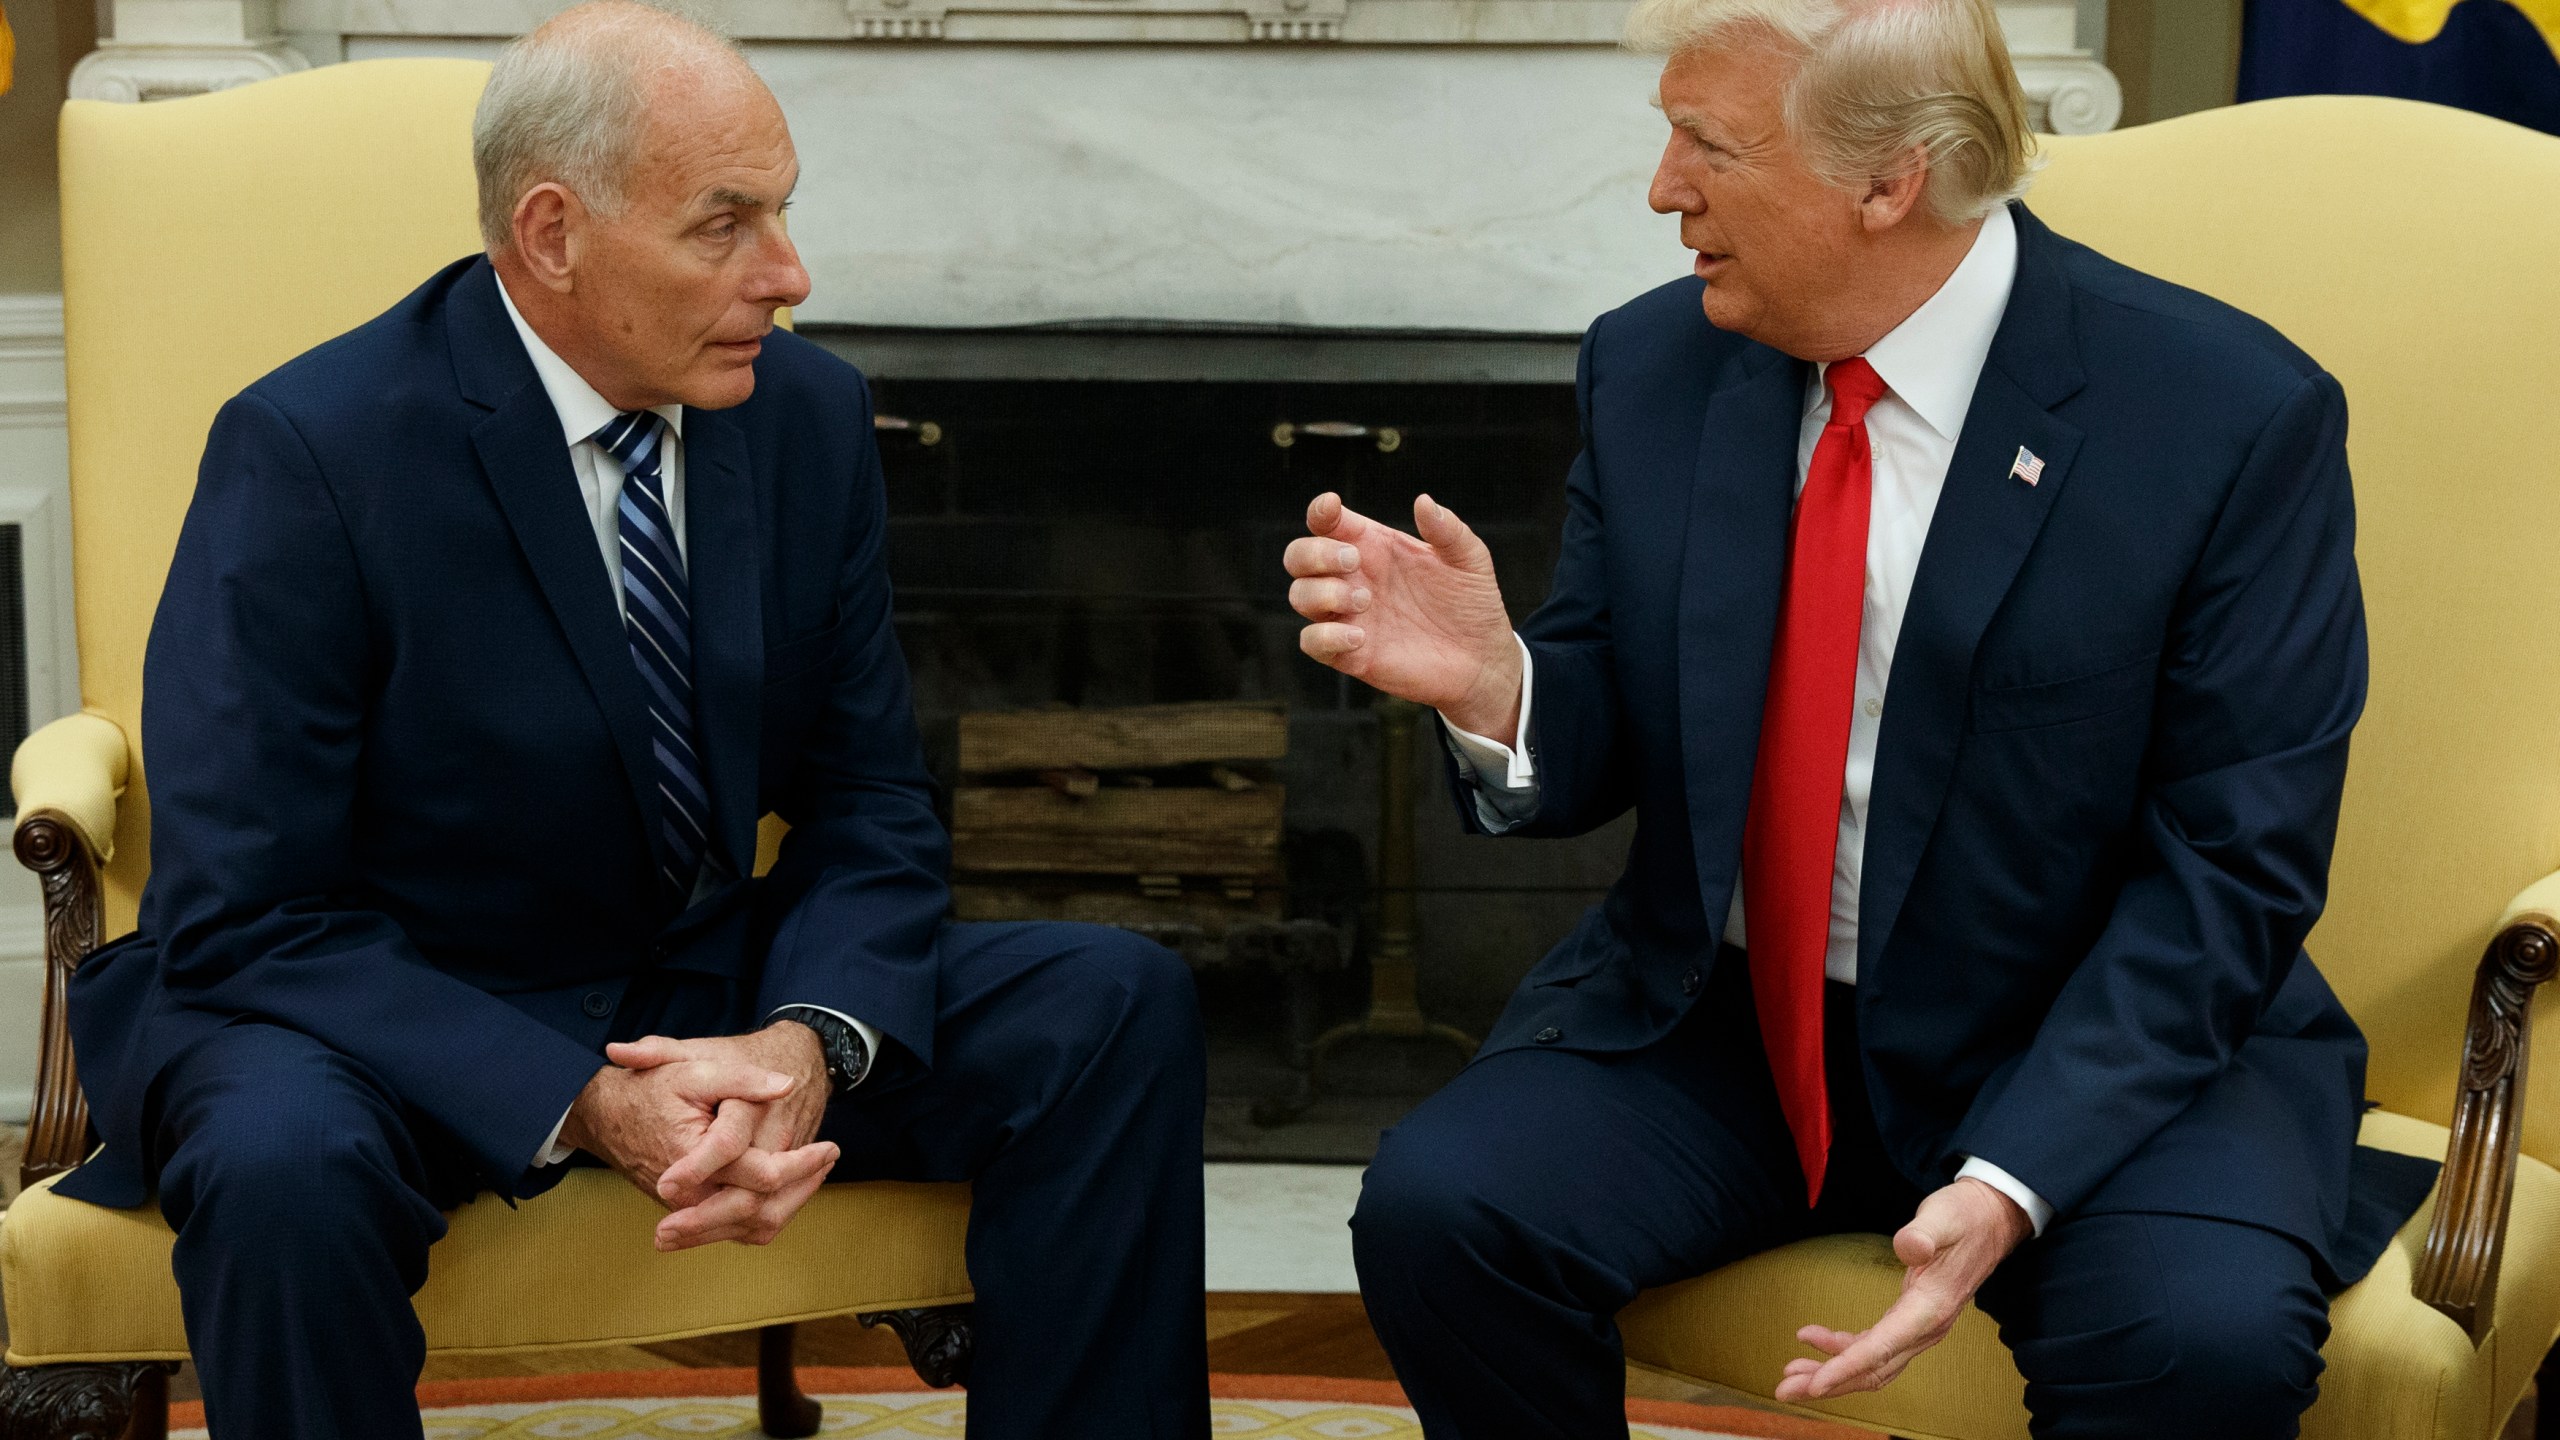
<point x="1092" y="545"/>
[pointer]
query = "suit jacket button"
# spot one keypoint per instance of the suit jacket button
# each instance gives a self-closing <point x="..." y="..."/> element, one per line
<point x="1549" y="1036"/>
<point x="1690" y="982"/>
<point x="597" y="1004"/>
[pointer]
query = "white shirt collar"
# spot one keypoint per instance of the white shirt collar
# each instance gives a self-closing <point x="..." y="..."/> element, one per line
<point x="582" y="411"/>
<point x="1934" y="358"/>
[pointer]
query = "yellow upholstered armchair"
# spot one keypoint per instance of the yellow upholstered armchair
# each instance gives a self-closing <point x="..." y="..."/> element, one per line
<point x="2411" y="250"/>
<point x="205" y="242"/>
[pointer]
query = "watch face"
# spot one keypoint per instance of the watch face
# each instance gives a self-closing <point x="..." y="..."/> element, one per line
<point x="847" y="1057"/>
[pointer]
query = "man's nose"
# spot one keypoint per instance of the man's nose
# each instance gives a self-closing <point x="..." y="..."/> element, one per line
<point x="1671" y="192"/>
<point x="782" y="280"/>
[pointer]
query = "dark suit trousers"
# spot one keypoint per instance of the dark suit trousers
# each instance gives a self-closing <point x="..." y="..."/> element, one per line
<point x="1511" y="1216"/>
<point x="1067" y="1085"/>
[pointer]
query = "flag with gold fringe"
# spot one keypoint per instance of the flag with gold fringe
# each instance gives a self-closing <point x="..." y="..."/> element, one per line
<point x="2499" y="57"/>
<point x="8" y="51"/>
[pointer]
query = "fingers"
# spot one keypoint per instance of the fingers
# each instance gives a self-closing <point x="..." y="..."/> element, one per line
<point x="1331" y="642"/>
<point x="746" y="1216"/>
<point x="708" y="1082"/>
<point x="769" y="1171"/>
<point x="1327" y="515"/>
<point x="1932" y="1229"/>
<point x="646" y="1053"/>
<point x="1309" y="557"/>
<point x="1826" y="1340"/>
<point x="723" y="1143"/>
<point x="1870" y="1360"/>
<point x="1440" y="528"/>
<point x="1328" y="599"/>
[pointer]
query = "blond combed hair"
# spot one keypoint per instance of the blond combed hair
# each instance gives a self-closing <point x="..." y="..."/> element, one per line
<point x="1876" y="81"/>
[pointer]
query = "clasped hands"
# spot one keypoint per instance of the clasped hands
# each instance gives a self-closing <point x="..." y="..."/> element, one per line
<point x="720" y="1130"/>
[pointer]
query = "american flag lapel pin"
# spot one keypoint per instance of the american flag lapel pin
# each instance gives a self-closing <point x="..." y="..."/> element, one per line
<point x="2029" y="466"/>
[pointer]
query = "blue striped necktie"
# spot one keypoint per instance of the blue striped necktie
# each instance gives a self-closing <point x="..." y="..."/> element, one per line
<point x="657" y="616"/>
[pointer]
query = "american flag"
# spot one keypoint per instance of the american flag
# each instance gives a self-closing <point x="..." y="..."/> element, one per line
<point x="2029" y="466"/>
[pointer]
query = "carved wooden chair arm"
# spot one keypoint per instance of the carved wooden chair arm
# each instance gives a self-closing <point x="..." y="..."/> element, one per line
<point x="2458" y="1273"/>
<point x="68" y="777"/>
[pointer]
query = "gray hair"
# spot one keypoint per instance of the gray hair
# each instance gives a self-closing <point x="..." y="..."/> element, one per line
<point x="1877" y="80"/>
<point x="568" y="104"/>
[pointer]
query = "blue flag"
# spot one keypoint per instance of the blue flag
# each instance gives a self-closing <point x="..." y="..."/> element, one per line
<point x="2499" y="57"/>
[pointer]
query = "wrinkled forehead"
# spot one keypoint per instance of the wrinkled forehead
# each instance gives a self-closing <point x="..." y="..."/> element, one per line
<point x="716" y="141"/>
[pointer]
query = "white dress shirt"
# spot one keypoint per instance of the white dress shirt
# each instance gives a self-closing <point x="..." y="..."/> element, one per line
<point x="1930" y="364"/>
<point x="582" y="413"/>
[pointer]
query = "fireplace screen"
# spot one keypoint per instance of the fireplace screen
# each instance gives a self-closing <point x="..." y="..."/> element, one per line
<point x="1090" y="595"/>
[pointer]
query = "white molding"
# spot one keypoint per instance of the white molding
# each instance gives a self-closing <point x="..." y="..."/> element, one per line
<point x="2070" y="94"/>
<point x="130" y="71"/>
<point x="31" y="385"/>
<point x="2035" y="28"/>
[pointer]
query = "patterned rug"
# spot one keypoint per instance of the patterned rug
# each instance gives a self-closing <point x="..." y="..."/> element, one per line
<point x="891" y="1404"/>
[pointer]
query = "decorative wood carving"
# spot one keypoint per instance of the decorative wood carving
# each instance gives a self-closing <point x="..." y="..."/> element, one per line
<point x="58" y="1127"/>
<point x="781" y="1408"/>
<point x="127" y="1400"/>
<point x="2458" y="1273"/>
<point x="938" y="1341"/>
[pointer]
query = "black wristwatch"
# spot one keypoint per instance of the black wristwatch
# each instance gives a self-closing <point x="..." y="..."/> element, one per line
<point x="848" y="1059"/>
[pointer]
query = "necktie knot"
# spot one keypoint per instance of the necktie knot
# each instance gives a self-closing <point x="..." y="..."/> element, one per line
<point x="630" y="437"/>
<point x="1854" y="386"/>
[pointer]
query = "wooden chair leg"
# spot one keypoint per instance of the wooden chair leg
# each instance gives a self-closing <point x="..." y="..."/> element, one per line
<point x="781" y="1408"/>
<point x="937" y="1341"/>
<point x="121" y="1401"/>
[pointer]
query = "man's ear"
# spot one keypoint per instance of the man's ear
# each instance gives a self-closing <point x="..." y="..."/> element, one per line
<point x="546" y="225"/>
<point x="1890" y="199"/>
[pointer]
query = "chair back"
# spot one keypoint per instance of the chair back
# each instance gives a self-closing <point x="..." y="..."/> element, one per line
<point x="2415" y="252"/>
<point x="205" y="242"/>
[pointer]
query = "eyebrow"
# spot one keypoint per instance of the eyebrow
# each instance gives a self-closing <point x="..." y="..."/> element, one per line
<point x="723" y="198"/>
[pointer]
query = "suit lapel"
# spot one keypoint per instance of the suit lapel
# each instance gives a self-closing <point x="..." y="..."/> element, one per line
<point x="527" y="460"/>
<point x="1986" y="522"/>
<point x="728" y="624"/>
<point x="1734" y="564"/>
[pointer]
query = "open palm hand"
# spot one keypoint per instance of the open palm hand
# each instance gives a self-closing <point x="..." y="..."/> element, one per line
<point x="1417" y="616"/>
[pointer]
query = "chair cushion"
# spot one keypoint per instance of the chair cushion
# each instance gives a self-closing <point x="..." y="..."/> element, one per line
<point x="571" y="1267"/>
<point x="2397" y="1370"/>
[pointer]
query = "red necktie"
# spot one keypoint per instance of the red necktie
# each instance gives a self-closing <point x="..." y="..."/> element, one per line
<point x="1792" y="829"/>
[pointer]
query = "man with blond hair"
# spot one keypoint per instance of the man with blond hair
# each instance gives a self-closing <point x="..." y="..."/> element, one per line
<point x="1972" y="624"/>
<point x="495" y="626"/>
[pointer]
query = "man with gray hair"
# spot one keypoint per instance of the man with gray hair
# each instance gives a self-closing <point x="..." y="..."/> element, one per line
<point x="1973" y="622"/>
<point x="495" y="627"/>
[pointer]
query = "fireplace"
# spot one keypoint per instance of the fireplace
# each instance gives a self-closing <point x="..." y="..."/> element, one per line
<point x="1116" y="542"/>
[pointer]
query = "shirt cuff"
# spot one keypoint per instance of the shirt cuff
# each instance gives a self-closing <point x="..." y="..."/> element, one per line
<point x="870" y="1033"/>
<point x="552" y="1151"/>
<point x="1497" y="766"/>
<point x="2039" y="1214"/>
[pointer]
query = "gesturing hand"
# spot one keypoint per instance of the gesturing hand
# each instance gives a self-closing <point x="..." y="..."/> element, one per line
<point x="1421" y="619"/>
<point x="1960" y="1235"/>
<point x="757" y="1162"/>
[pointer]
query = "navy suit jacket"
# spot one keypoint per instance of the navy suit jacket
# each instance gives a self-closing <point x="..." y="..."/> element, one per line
<point x="2107" y="781"/>
<point x="402" y="795"/>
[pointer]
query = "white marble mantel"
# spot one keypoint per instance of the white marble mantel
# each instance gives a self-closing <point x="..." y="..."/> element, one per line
<point x="1396" y="165"/>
